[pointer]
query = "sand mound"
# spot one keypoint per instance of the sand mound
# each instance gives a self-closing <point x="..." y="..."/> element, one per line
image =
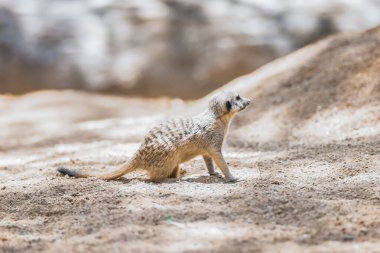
<point x="324" y="92"/>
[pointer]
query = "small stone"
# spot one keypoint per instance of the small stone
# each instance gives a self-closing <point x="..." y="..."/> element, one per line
<point x="348" y="238"/>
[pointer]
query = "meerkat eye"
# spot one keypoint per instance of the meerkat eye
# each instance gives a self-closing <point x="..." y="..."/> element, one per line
<point x="228" y="105"/>
<point x="238" y="98"/>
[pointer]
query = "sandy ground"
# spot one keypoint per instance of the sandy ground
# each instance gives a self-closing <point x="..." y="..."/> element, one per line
<point x="306" y="153"/>
<point x="302" y="197"/>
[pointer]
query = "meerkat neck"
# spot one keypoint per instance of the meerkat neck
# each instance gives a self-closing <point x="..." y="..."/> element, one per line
<point x="224" y="119"/>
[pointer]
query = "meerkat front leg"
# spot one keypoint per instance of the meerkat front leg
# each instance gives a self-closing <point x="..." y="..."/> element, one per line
<point x="210" y="166"/>
<point x="221" y="163"/>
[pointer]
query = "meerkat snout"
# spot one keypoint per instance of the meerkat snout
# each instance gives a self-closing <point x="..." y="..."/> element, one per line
<point x="235" y="103"/>
<point x="245" y="102"/>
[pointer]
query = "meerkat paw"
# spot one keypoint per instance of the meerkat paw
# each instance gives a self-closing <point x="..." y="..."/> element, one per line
<point x="171" y="180"/>
<point x="232" y="180"/>
<point x="182" y="172"/>
<point x="216" y="174"/>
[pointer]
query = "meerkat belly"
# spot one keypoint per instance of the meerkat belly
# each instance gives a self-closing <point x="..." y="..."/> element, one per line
<point x="189" y="154"/>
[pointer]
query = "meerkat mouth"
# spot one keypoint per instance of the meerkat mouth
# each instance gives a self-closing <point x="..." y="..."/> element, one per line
<point x="244" y="106"/>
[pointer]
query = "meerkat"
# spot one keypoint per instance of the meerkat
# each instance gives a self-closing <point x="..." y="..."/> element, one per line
<point x="169" y="144"/>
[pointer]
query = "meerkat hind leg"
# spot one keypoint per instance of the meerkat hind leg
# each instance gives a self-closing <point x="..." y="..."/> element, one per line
<point x="162" y="175"/>
<point x="175" y="173"/>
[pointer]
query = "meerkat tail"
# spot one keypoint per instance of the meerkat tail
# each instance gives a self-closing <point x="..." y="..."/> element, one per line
<point x="113" y="175"/>
<point x="71" y="173"/>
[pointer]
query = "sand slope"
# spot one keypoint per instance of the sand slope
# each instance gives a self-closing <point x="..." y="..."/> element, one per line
<point x="325" y="92"/>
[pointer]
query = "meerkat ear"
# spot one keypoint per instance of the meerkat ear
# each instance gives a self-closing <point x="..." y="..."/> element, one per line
<point x="228" y="105"/>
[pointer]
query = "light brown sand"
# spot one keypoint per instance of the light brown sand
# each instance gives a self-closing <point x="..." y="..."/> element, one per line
<point x="314" y="198"/>
<point x="306" y="153"/>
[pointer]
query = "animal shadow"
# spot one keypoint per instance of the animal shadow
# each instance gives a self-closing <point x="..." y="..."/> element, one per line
<point x="204" y="179"/>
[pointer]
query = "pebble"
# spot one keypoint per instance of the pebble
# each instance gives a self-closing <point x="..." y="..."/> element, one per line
<point x="347" y="238"/>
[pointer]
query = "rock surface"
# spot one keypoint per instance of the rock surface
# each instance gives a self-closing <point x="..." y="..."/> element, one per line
<point x="174" y="48"/>
<point x="306" y="154"/>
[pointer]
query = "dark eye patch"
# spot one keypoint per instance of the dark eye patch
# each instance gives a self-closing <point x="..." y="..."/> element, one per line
<point x="238" y="98"/>
<point x="228" y="105"/>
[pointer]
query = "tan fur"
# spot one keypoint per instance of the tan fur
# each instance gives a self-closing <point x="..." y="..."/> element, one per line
<point x="168" y="145"/>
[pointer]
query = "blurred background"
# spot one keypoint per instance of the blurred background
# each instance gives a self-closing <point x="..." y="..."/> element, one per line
<point x="176" y="48"/>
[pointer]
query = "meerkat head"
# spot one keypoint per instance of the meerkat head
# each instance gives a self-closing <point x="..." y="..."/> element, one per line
<point x="227" y="104"/>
